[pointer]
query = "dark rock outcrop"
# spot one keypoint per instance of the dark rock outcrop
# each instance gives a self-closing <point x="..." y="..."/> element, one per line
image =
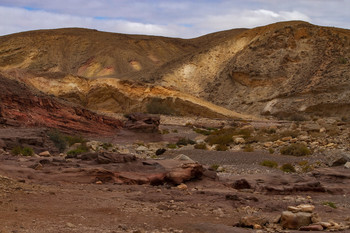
<point x="143" y="122"/>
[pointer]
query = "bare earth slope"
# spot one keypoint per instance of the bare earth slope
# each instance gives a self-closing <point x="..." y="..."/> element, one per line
<point x="279" y="69"/>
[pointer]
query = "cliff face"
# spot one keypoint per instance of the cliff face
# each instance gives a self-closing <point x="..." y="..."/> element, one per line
<point x="21" y="106"/>
<point x="280" y="69"/>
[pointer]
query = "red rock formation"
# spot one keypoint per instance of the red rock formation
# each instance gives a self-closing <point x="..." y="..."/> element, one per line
<point x="21" y="106"/>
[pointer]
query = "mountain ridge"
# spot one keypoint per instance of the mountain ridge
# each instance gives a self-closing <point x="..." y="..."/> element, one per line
<point x="267" y="70"/>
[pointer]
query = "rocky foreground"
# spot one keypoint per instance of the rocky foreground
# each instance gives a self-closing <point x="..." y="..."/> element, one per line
<point x="164" y="180"/>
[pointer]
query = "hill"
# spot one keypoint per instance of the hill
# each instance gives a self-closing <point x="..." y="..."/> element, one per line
<point x="288" y="70"/>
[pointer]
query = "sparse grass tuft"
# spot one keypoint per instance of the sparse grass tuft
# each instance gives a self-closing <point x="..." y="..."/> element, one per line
<point x="248" y="148"/>
<point x="80" y="150"/>
<point x="202" y="131"/>
<point x="269" y="163"/>
<point x="221" y="147"/>
<point x="295" y="149"/>
<point x="330" y="204"/>
<point x="271" y="151"/>
<point x="185" y="142"/>
<point x="201" y="146"/>
<point x="25" y="151"/>
<point x="58" y="139"/>
<point x="171" y="146"/>
<point x="288" y="168"/>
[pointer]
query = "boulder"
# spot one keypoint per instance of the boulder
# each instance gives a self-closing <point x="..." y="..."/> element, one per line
<point x="142" y="122"/>
<point x="241" y="184"/>
<point x="290" y="220"/>
<point x="45" y="154"/>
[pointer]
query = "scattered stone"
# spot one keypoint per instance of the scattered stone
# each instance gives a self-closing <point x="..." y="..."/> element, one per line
<point x="239" y="140"/>
<point x="251" y="221"/>
<point x="311" y="228"/>
<point x="241" y="184"/>
<point x="290" y="220"/>
<point x="182" y="186"/>
<point x="141" y="149"/>
<point x="160" y="151"/>
<point x="45" y="154"/>
<point x="347" y="165"/>
<point x="70" y="225"/>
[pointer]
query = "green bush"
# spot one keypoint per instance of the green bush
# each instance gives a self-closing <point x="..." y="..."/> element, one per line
<point x="201" y="146"/>
<point x="221" y="147"/>
<point x="80" y="150"/>
<point x="185" y="142"/>
<point x="295" y="149"/>
<point x="330" y="204"/>
<point x="288" y="168"/>
<point x="269" y="163"/>
<point x="157" y="106"/>
<point x="271" y="151"/>
<point x="26" y="151"/>
<point x="72" y="139"/>
<point x="58" y="139"/>
<point x="16" y="150"/>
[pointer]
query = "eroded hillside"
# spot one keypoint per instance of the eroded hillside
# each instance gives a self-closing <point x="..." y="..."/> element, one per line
<point x="281" y="69"/>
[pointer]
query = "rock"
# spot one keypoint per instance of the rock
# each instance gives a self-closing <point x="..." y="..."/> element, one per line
<point x="325" y="224"/>
<point x="160" y="151"/>
<point x="239" y="140"/>
<point x="268" y="144"/>
<point x="306" y="208"/>
<point x="347" y="165"/>
<point x="301" y="208"/>
<point x="339" y="162"/>
<point x="107" y="157"/>
<point x="143" y="122"/>
<point x="94" y="145"/>
<point x="315" y="218"/>
<point x="309" y="127"/>
<point x="185" y="172"/>
<point x="286" y="139"/>
<point x="141" y="149"/>
<point x="252" y="221"/>
<point x="290" y="220"/>
<point x="182" y="186"/>
<point x="311" y="228"/>
<point x="241" y="184"/>
<point x="110" y="157"/>
<point x="183" y="157"/>
<point x="70" y="225"/>
<point x="45" y="154"/>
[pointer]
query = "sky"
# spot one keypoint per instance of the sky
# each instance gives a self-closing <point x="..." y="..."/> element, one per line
<point x="173" y="18"/>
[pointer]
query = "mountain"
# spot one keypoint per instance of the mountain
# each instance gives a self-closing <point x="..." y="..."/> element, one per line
<point x="288" y="70"/>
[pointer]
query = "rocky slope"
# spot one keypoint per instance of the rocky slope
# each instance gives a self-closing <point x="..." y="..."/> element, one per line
<point x="284" y="69"/>
<point x="21" y="106"/>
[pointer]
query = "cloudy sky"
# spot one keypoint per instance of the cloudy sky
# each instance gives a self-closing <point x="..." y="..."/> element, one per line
<point x="175" y="18"/>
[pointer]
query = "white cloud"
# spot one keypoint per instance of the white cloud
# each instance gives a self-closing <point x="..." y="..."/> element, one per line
<point x="181" y="18"/>
<point x="17" y="19"/>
